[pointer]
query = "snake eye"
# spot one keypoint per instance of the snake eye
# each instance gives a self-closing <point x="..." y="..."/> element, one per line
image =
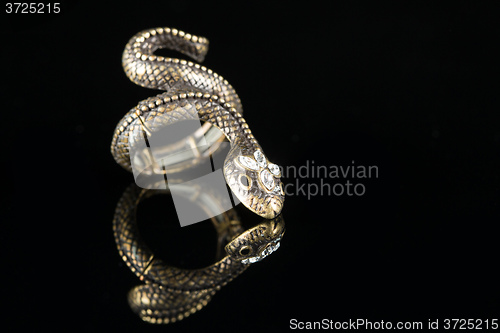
<point x="245" y="181"/>
<point x="245" y="250"/>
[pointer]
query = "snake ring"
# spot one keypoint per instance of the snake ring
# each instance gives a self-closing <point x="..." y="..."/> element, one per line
<point x="193" y="91"/>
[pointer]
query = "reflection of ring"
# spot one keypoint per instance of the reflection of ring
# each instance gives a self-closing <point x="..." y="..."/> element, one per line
<point x="173" y="293"/>
<point x="194" y="92"/>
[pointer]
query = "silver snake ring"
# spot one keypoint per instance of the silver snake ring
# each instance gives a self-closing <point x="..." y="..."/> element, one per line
<point x="193" y="91"/>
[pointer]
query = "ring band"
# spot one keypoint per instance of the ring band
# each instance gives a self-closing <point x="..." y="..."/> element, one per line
<point x="172" y="293"/>
<point x="194" y="92"/>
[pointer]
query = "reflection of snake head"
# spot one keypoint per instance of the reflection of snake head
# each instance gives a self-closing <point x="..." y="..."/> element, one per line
<point x="257" y="243"/>
<point x="254" y="180"/>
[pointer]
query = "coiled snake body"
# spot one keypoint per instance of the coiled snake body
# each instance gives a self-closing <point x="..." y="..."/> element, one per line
<point x="194" y="91"/>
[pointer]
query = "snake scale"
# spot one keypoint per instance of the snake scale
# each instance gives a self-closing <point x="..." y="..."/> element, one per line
<point x="193" y="91"/>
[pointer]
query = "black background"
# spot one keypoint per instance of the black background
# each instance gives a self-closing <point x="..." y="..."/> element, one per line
<point x="408" y="87"/>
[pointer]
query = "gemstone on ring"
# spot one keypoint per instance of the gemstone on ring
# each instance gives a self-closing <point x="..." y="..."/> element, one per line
<point x="267" y="179"/>
<point x="275" y="170"/>
<point x="260" y="158"/>
<point x="248" y="162"/>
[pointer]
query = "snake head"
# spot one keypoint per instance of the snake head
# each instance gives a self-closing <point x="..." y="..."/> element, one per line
<point x="258" y="242"/>
<point x="254" y="180"/>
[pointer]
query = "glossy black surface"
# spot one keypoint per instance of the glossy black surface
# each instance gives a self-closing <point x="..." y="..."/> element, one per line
<point x="407" y="88"/>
